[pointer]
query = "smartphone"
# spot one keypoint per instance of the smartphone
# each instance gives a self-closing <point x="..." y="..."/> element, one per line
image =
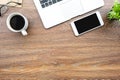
<point x="87" y="23"/>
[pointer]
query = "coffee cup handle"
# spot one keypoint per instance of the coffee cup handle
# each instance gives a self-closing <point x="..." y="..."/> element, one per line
<point x="24" y="33"/>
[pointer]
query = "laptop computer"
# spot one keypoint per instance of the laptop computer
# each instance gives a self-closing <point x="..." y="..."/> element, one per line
<point x="54" y="12"/>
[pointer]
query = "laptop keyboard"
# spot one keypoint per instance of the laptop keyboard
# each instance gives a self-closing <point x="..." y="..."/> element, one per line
<point x="46" y="3"/>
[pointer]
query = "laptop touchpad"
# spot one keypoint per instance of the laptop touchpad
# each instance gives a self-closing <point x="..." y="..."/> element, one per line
<point x="72" y="8"/>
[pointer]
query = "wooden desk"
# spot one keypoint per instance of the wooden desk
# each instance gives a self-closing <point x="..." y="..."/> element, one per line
<point x="56" y="54"/>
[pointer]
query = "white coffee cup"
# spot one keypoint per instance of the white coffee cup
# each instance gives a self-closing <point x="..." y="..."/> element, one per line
<point x="17" y="22"/>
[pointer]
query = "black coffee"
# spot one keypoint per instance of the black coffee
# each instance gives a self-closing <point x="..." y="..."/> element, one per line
<point x="17" y="22"/>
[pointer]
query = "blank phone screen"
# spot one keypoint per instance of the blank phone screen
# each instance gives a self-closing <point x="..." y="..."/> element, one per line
<point x="87" y="23"/>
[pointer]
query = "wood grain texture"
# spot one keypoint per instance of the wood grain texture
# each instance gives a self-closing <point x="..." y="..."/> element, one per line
<point x="56" y="54"/>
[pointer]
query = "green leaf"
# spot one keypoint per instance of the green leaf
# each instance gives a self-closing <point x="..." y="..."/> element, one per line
<point x="114" y="14"/>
